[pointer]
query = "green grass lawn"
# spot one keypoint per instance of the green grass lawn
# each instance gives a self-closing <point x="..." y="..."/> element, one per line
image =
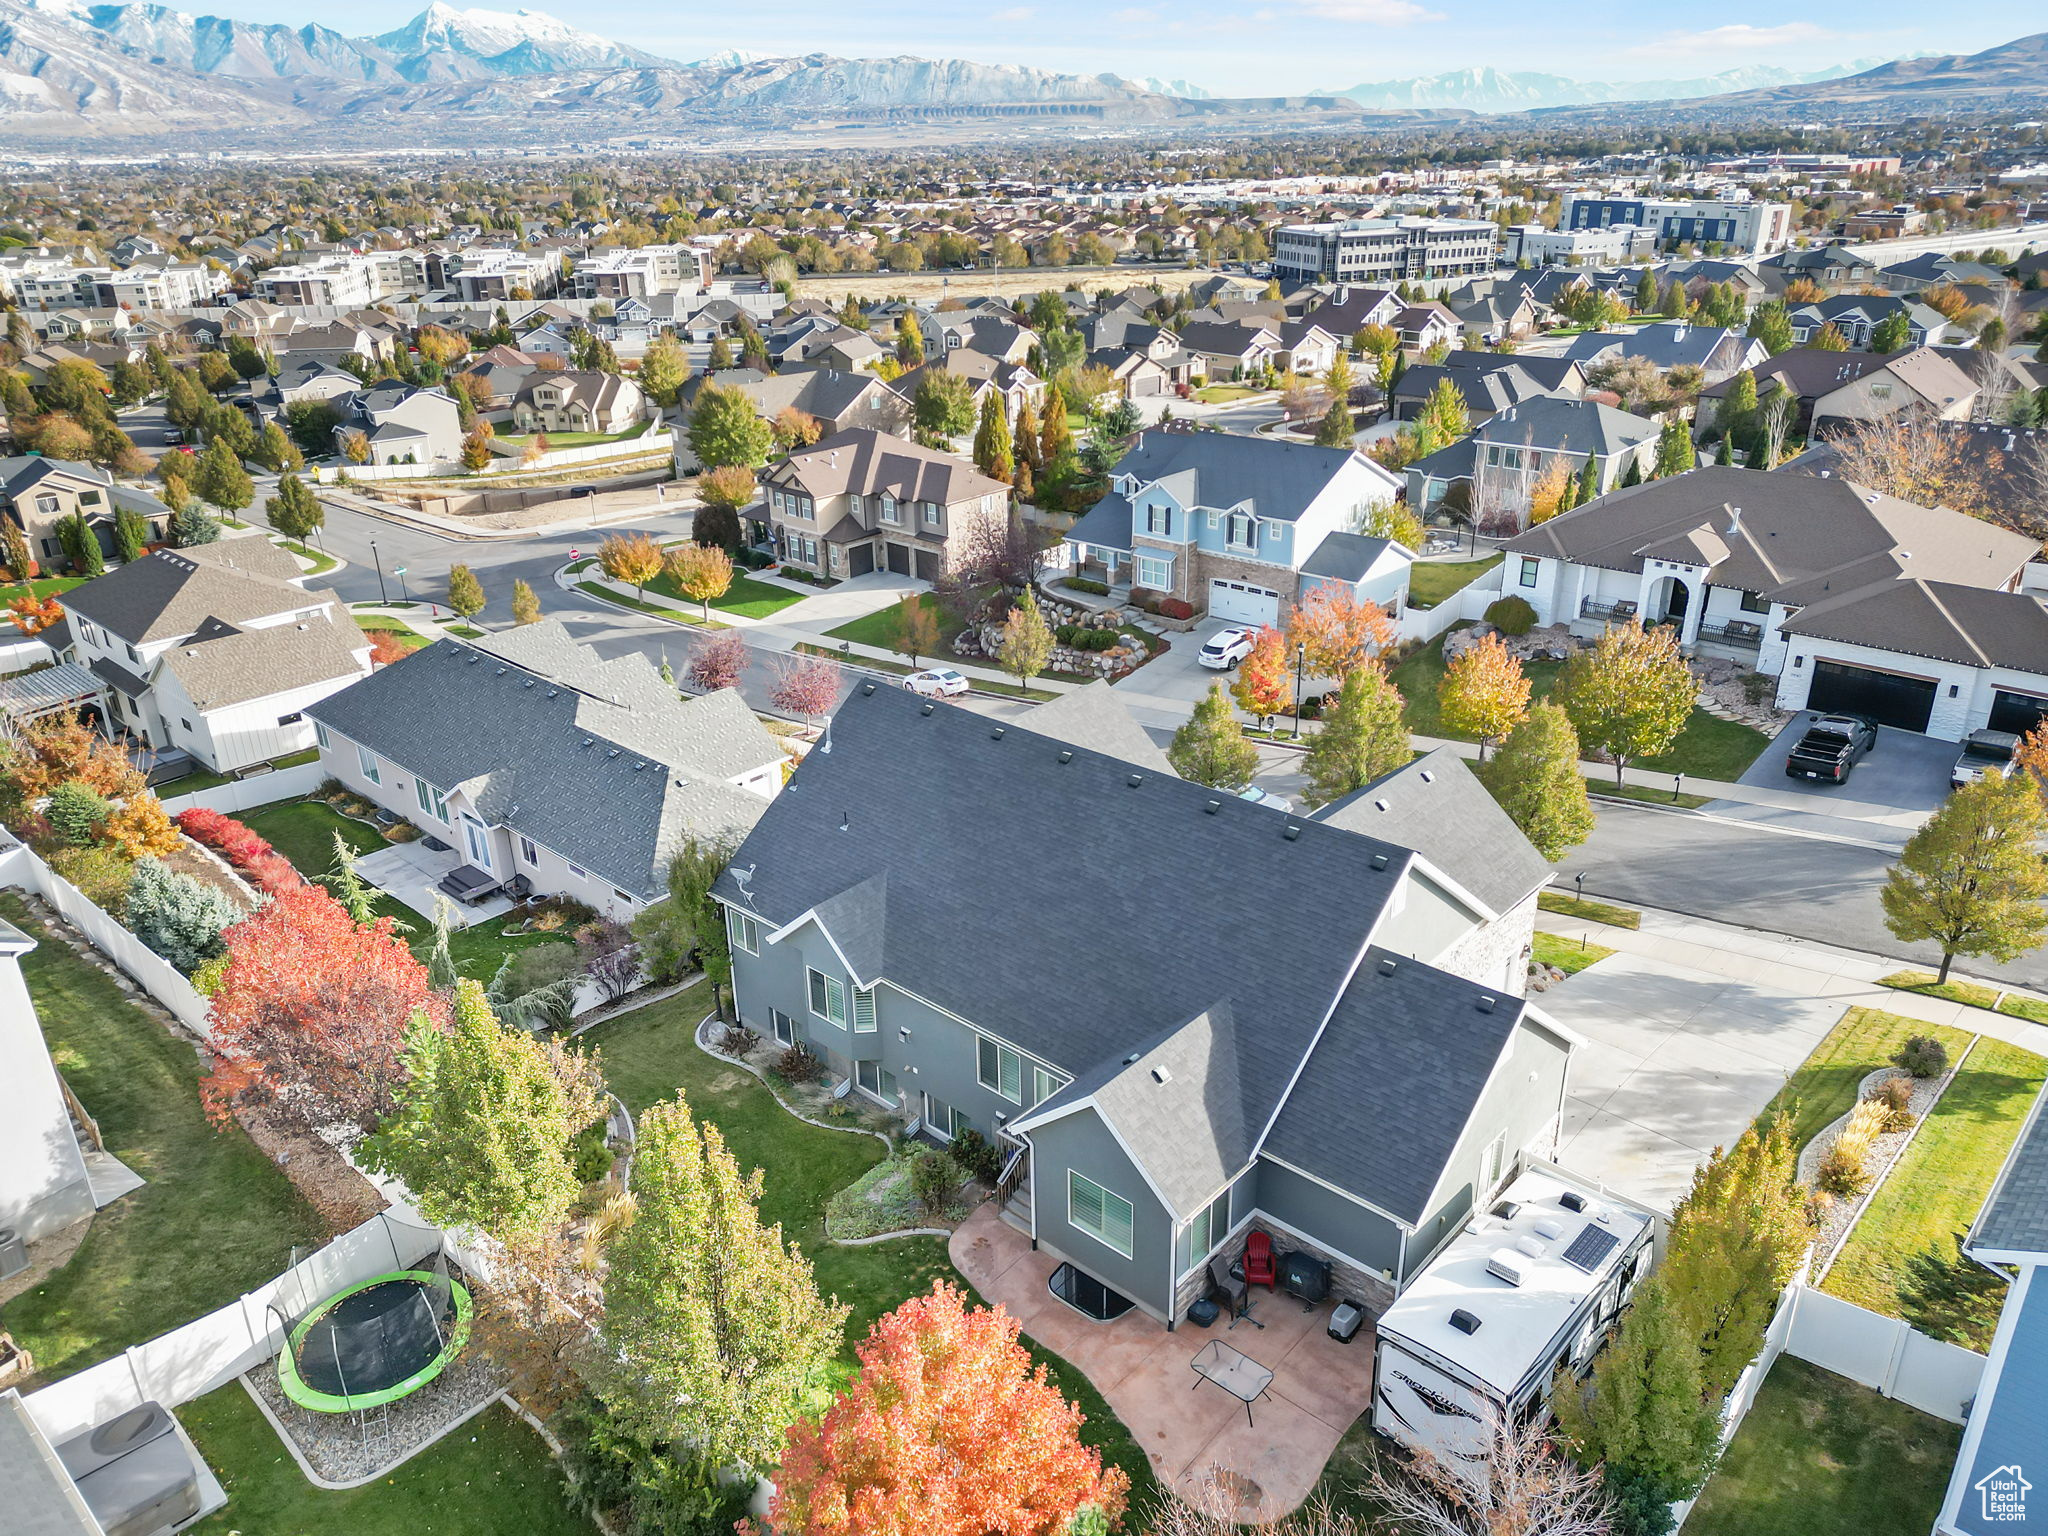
<point x="491" y="1477"/>
<point x="464" y="631"/>
<point x="1569" y="955"/>
<point x="1938" y="1186"/>
<point x="192" y="783"/>
<point x="404" y="634"/>
<point x="1649" y="794"/>
<point x="879" y="628"/>
<point x="746" y="597"/>
<point x="1223" y="394"/>
<point x="1431" y="581"/>
<point x="1821" y="1456"/>
<point x="649" y="1054"/>
<point x="216" y="1217"/>
<point x="2033" y="1009"/>
<point x="1589" y="911"/>
<point x="43" y="586"/>
<point x="1708" y="748"/>
<point x="1824" y="1087"/>
<point x="322" y="561"/>
<point x="571" y="439"/>
<point x="1923" y="982"/>
<point x="626" y="600"/>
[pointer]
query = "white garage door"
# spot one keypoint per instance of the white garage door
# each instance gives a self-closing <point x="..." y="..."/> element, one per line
<point x="1240" y="604"/>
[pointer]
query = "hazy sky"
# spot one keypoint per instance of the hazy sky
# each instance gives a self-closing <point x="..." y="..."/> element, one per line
<point x="1272" y="46"/>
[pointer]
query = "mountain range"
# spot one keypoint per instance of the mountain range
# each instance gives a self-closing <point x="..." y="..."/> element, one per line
<point x="1488" y="90"/>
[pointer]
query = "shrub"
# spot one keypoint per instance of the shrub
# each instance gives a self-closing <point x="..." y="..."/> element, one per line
<point x="1841" y="1172"/>
<point x="1511" y="616"/>
<point x="100" y="874"/>
<point x="754" y="559"/>
<point x="1096" y="639"/>
<point x="1085" y="584"/>
<point x="1176" y="608"/>
<point x="737" y="1040"/>
<point x="933" y="1178"/>
<point x="1923" y="1056"/>
<point x="1758" y="687"/>
<point x="1312" y="706"/>
<point x="1065" y="633"/>
<point x="177" y="916"/>
<point x="1896" y="1095"/>
<point x="207" y="978"/>
<point x="592" y="1156"/>
<point x="330" y="790"/>
<point x="260" y="864"/>
<point x="798" y="1065"/>
<point x="972" y="1151"/>
<point x="536" y="966"/>
<point x="559" y="914"/>
<point x="75" y="813"/>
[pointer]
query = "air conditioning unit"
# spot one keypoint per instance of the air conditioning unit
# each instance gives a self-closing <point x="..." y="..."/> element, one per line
<point x="1550" y="1229"/>
<point x="1506" y="1264"/>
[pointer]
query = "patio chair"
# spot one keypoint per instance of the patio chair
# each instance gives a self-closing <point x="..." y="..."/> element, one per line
<point x="1231" y="1293"/>
<point x="1258" y="1260"/>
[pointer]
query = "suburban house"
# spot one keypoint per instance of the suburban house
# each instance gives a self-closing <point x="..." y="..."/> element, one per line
<point x="566" y="400"/>
<point x="862" y="501"/>
<point x="44" y="1182"/>
<point x="544" y="763"/>
<point x="999" y="337"/>
<point x="216" y="650"/>
<point x="1834" y="390"/>
<point x="1490" y="474"/>
<point x="1242" y="527"/>
<point x="1857" y="315"/>
<point x="1353" y="1077"/>
<point x="839" y="399"/>
<point x="400" y="423"/>
<point x="1716" y="351"/>
<point x="38" y="493"/>
<point x="1486" y="393"/>
<point x="1987" y="1491"/>
<point x="1916" y="617"/>
<point x="1012" y="383"/>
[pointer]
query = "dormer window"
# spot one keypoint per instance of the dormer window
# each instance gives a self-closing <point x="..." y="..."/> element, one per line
<point x="1240" y="532"/>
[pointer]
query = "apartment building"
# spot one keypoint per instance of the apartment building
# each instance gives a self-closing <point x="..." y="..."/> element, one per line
<point x="1385" y="250"/>
<point x="648" y="272"/>
<point x="345" y="282"/>
<point x="484" y="277"/>
<point x="1753" y="228"/>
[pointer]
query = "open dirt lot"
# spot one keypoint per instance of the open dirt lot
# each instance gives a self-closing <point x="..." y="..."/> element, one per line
<point x="935" y="285"/>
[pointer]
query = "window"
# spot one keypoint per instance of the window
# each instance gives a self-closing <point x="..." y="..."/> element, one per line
<point x="941" y="1119"/>
<point x="1154" y="572"/>
<point x="828" y="998"/>
<point x="1209" y="1228"/>
<point x="853" y="504"/>
<point x="863" y="1010"/>
<point x="1103" y="1215"/>
<point x="744" y="932"/>
<point x="1002" y="1070"/>
<point x="931" y="514"/>
<point x="1529" y="567"/>
<point x="889" y="513"/>
<point x="1239" y="532"/>
<point x="876" y="1081"/>
<point x="1044" y="1084"/>
<point x="784" y="1026"/>
<point x="622" y="895"/>
<point x="365" y="760"/>
<point x="1159" y="520"/>
<point x="320" y="734"/>
<point x="431" y="800"/>
<point x="1755" y="602"/>
<point x="528" y="852"/>
<point x="47" y="505"/>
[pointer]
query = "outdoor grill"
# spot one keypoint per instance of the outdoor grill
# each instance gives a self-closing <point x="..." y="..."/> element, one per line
<point x="1304" y="1277"/>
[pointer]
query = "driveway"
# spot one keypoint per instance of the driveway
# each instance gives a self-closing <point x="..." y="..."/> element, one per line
<point x="1677" y="1062"/>
<point x="1166" y="689"/>
<point x="1886" y="798"/>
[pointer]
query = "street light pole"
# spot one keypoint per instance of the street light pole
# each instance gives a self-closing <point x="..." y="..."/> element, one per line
<point x="383" y="594"/>
<point x="1300" y="660"/>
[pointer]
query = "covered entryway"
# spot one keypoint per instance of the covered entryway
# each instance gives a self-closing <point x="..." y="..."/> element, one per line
<point x="860" y="560"/>
<point x="2016" y="712"/>
<point x="1889" y="698"/>
<point x="898" y="558"/>
<point x="1670" y="597"/>
<point x="929" y="567"/>
<point x="1243" y="604"/>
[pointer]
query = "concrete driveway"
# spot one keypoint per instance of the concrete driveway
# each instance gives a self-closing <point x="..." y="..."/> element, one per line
<point x="1887" y="796"/>
<point x="1166" y="689"/>
<point x="1677" y="1062"/>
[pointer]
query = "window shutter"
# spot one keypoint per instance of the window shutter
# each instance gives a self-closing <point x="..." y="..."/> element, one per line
<point x="863" y="1011"/>
<point x="1117" y="1223"/>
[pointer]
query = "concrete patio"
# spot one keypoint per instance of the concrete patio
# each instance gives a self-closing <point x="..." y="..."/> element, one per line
<point x="412" y="872"/>
<point x="1195" y="1434"/>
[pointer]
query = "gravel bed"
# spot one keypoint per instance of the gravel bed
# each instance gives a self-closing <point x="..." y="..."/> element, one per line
<point x="1840" y="1215"/>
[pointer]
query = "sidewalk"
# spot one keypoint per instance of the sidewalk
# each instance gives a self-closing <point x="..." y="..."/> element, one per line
<point x="459" y="528"/>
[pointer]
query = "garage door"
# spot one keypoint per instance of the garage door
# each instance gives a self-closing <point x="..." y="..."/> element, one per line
<point x="860" y="559"/>
<point x="2016" y="712"/>
<point x="928" y="565"/>
<point x="1889" y="698"/>
<point x="899" y="558"/>
<point x="1241" y="604"/>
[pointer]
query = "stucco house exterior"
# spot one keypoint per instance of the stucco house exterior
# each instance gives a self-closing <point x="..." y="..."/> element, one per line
<point x="1239" y="526"/>
<point x="1917" y="617"/>
<point x="218" y="650"/>
<point x="1491" y="474"/>
<point x="38" y="493"/>
<point x="540" y="760"/>
<point x="564" y="400"/>
<point x="401" y="423"/>
<point x="1353" y="1076"/>
<point x="44" y="1185"/>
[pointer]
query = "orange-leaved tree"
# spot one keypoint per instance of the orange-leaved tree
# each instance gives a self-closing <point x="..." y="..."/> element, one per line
<point x="700" y="571"/>
<point x="310" y="1018"/>
<point x="630" y="557"/>
<point x="1261" y="686"/>
<point x="59" y="748"/>
<point x="947" y="1430"/>
<point x="1484" y="692"/>
<point x="34" y="614"/>
<point x="1341" y="632"/>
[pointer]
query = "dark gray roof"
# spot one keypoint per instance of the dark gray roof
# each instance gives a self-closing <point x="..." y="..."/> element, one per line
<point x="1344" y="556"/>
<point x="598" y="760"/>
<point x="1093" y="716"/>
<point x="1573" y="426"/>
<point x="1437" y="806"/>
<point x="1667" y="345"/>
<point x="2009" y="1416"/>
<point x="2015" y="1217"/>
<point x="1274" y="478"/>
<point x="1107" y="524"/>
<point x="1485" y="393"/>
<point x="172" y="592"/>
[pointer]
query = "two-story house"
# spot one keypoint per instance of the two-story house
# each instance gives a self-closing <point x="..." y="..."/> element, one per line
<point x="217" y="650"/>
<point x="567" y="400"/>
<point x="862" y="501"/>
<point x="839" y="399"/>
<point x="1490" y="476"/>
<point x="539" y="760"/>
<point x="1353" y="1075"/>
<point x="1240" y="526"/>
<point x="37" y="494"/>
<point x="401" y="423"/>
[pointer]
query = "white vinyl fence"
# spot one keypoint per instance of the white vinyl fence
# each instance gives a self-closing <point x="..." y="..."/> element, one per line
<point x="646" y="444"/>
<point x="211" y="1351"/>
<point x="21" y="868"/>
<point x="247" y="794"/>
<point x="1468" y="602"/>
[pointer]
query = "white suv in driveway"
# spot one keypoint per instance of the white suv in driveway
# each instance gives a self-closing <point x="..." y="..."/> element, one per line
<point x="1227" y="647"/>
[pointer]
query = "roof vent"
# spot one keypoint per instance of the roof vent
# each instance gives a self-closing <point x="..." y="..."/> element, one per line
<point x="527" y="684"/>
<point x="1213" y="806"/>
<point x="1067" y="755"/>
<point x="1427" y="777"/>
<point x="1388" y="965"/>
<point x="1161" y="1075"/>
<point x="1292" y="831"/>
<point x="867" y="690"/>
<point x="499" y="673"/>
<point x="1379" y="861"/>
<point x="1464" y="1321"/>
<point x="1132" y="1059"/>
<point x="613" y="753"/>
<point x="1572" y="1200"/>
<point x="589" y="741"/>
<point x="553" y="691"/>
<point x="845" y="822"/>
<point x="997" y="733"/>
<point x="1507" y="1210"/>
<point x="928" y="708"/>
<point x="1486" y="1002"/>
<point x="1134" y="781"/>
<point x="1550" y="1229"/>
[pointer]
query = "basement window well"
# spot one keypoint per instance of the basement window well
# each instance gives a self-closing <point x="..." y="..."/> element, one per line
<point x="1088" y="1295"/>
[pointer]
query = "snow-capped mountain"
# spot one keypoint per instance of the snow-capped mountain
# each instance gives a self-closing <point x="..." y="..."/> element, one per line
<point x="1181" y="88"/>
<point x="444" y="43"/>
<point x="1486" y="89"/>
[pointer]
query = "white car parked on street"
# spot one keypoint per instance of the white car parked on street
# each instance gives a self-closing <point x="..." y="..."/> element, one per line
<point x="1227" y="647"/>
<point x="936" y="683"/>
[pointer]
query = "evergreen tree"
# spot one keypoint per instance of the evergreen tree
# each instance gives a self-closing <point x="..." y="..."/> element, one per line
<point x="1210" y="748"/>
<point x="1770" y="325"/>
<point x="1674" y="448"/>
<point x="1642" y="1412"/>
<point x="1646" y="291"/>
<point x="992" y="452"/>
<point x="1364" y="735"/>
<point x="79" y="541"/>
<point x="1336" y="429"/>
<point x="220" y="478"/>
<point x="1828" y="338"/>
<point x="1634" y="475"/>
<point x="131" y="534"/>
<point x="1535" y="778"/>
<point x="1736" y="415"/>
<point x="1444" y="418"/>
<point x="1589" y="481"/>
<point x="1894" y="333"/>
<point x="192" y="525"/>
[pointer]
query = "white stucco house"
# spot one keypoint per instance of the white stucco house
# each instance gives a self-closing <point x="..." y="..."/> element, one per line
<point x="1917" y="617"/>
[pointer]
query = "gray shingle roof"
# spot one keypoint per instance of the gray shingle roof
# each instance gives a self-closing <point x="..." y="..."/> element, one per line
<point x="612" y="779"/>
<point x="172" y="592"/>
<point x="1095" y="717"/>
<point x="232" y="666"/>
<point x="1344" y="556"/>
<point x="2015" y="1217"/>
<point x="1276" y="479"/>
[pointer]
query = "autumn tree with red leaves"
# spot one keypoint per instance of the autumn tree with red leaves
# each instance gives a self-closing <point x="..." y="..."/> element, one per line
<point x="1262" y="686"/>
<point x="60" y="748"/>
<point x="1341" y="632"/>
<point x="34" y="614"/>
<point x="309" y="1023"/>
<point x="805" y="685"/>
<point x="948" y="1430"/>
<point x="717" y="661"/>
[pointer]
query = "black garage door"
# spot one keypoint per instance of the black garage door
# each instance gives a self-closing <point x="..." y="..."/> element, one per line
<point x="898" y="557"/>
<point x="1889" y="698"/>
<point x="2016" y="712"/>
<point x="927" y="565"/>
<point x="860" y="559"/>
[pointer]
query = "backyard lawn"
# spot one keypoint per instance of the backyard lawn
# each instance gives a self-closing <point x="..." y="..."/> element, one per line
<point x="879" y="628"/>
<point x="1431" y="581"/>
<point x="44" y="586"/>
<point x="746" y="598"/>
<point x="649" y="1054"/>
<point x="1822" y="1456"/>
<point x="1708" y="748"/>
<point x="1937" y="1188"/>
<point x="216" y="1218"/>
<point x="1824" y="1087"/>
<point x="491" y="1477"/>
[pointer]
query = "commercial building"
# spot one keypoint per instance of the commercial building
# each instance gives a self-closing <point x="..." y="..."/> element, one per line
<point x="1385" y="250"/>
<point x="1754" y="228"/>
<point x="1610" y="245"/>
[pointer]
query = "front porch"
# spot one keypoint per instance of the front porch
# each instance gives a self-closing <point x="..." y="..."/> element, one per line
<point x="1196" y="1436"/>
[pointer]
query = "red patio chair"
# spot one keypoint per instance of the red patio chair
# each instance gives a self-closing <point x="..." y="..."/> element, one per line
<point x="1258" y="1260"/>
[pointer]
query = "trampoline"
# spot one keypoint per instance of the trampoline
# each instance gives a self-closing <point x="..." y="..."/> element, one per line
<point x="376" y="1342"/>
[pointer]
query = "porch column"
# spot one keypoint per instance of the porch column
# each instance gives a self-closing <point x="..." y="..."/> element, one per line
<point x="1695" y="609"/>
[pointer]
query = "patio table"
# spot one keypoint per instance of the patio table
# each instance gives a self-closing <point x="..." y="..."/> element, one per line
<point x="1235" y="1372"/>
